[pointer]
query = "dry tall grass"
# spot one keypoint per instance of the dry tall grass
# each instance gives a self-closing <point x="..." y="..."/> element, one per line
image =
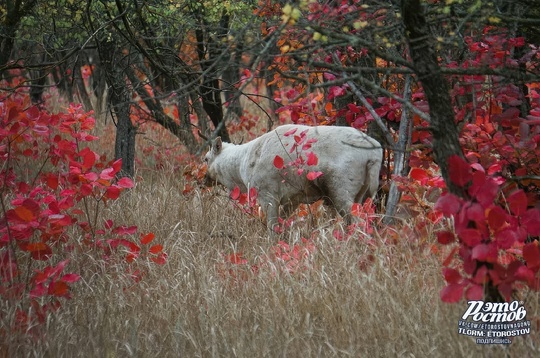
<point x="338" y="302"/>
<point x="197" y="306"/>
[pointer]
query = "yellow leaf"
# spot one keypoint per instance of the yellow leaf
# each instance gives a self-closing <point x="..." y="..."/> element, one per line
<point x="287" y="9"/>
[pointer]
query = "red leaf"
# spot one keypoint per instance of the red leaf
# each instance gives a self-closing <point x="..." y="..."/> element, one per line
<point x="531" y="221"/>
<point x="312" y="159"/>
<point x="52" y="181"/>
<point x="518" y="202"/>
<point x="58" y="219"/>
<point x="471" y="237"/>
<point x="485" y="253"/>
<point x="308" y="143"/>
<point x="523" y="273"/>
<point x="451" y="275"/>
<point x="24" y="188"/>
<point x="497" y="217"/>
<point x="108" y="224"/>
<point x="328" y="76"/>
<point x="35" y="246"/>
<point x="131" y="256"/>
<point x="236" y="258"/>
<point x="290" y="132"/>
<point x="125" y="182"/>
<point x="156" y="249"/>
<point x="531" y="254"/>
<point x="146" y="239"/>
<point x="459" y="170"/>
<point x="24" y="214"/>
<point x="507" y="237"/>
<point x="475" y="212"/>
<point x="478" y="167"/>
<point x="334" y="92"/>
<point x="89" y="159"/>
<point x="125" y="230"/>
<point x="117" y="165"/>
<point x="38" y="250"/>
<point x="448" y="204"/>
<point x="85" y="190"/>
<point x="90" y="176"/>
<point x="313" y="175"/>
<point x="160" y="259"/>
<point x="487" y="193"/>
<point x="242" y="200"/>
<point x="28" y="211"/>
<point x="452" y="293"/>
<point x="107" y="174"/>
<point x="495" y="168"/>
<point x="506" y="290"/>
<point x="357" y="209"/>
<point x="445" y="237"/>
<point x="70" y="278"/>
<point x="235" y="193"/>
<point x="481" y="275"/>
<point x="50" y="272"/>
<point x="478" y="181"/>
<point x="278" y="162"/>
<point x="113" y="192"/>
<point x="475" y="292"/>
<point x="132" y="247"/>
<point x="419" y="174"/>
<point x="39" y="290"/>
<point x="58" y="288"/>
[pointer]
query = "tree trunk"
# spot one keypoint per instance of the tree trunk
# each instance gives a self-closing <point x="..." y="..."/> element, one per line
<point x="185" y="123"/>
<point x="209" y="89"/>
<point x="16" y="11"/>
<point x="120" y="101"/>
<point x="124" y="145"/>
<point x="231" y="79"/>
<point x="443" y="126"/>
<point x="7" y="40"/>
<point x="400" y="158"/>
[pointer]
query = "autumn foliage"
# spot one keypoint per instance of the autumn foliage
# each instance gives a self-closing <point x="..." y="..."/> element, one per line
<point x="497" y="232"/>
<point x="497" y="225"/>
<point x="493" y="229"/>
<point x="53" y="187"/>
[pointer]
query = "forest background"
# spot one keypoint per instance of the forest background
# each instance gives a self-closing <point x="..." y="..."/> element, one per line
<point x="110" y="245"/>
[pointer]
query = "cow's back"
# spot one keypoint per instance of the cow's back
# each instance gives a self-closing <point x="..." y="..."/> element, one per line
<point x="334" y="146"/>
<point x="343" y="155"/>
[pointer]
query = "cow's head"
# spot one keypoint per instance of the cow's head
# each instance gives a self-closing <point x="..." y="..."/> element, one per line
<point x="211" y="177"/>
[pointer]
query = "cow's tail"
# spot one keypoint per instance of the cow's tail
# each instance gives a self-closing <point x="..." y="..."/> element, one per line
<point x="371" y="182"/>
<point x="372" y="178"/>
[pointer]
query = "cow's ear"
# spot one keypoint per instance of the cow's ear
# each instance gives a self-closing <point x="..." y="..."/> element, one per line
<point x="217" y="145"/>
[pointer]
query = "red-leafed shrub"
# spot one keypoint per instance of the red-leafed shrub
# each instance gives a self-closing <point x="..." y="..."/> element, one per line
<point x="497" y="228"/>
<point x="53" y="187"/>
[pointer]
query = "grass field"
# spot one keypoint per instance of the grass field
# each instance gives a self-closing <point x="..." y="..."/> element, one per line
<point x="224" y="292"/>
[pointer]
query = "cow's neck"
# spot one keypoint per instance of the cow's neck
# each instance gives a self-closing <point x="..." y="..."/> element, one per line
<point x="230" y="162"/>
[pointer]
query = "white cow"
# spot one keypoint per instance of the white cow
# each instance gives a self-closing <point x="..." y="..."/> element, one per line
<point x="350" y="162"/>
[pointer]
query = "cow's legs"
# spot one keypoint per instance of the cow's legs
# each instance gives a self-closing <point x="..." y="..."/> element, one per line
<point x="271" y="208"/>
<point x="343" y="199"/>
